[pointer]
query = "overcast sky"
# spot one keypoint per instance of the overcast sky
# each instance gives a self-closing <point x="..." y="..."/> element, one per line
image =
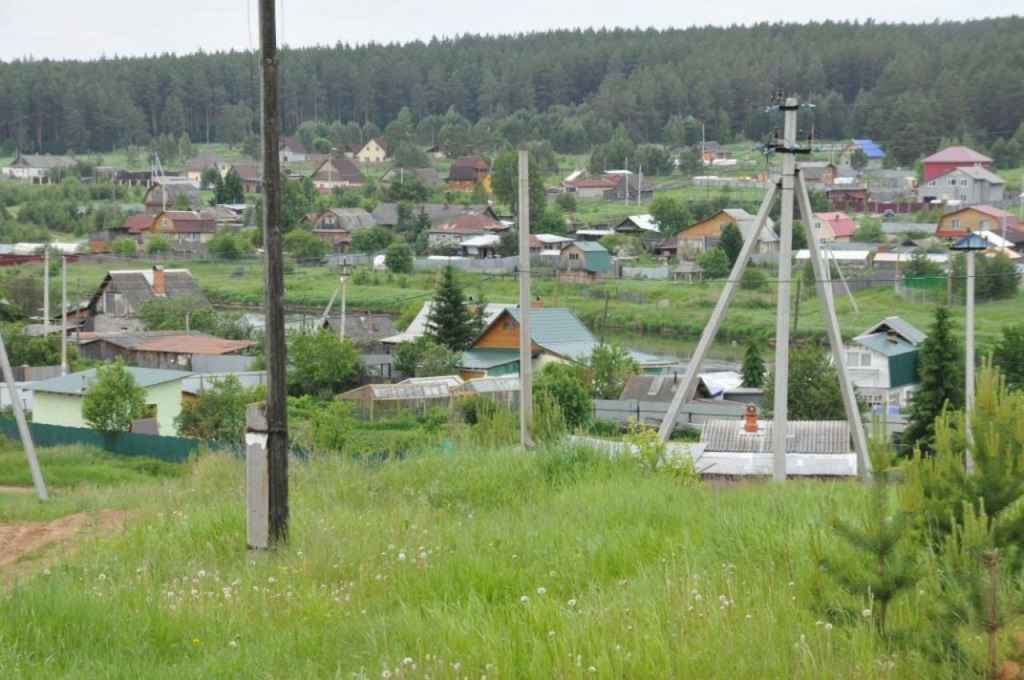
<point x="79" y="29"/>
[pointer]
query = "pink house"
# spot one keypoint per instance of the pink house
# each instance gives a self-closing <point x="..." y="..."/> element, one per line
<point x="834" y="227"/>
<point x="952" y="158"/>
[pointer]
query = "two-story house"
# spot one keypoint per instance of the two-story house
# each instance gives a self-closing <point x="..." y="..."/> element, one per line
<point x="969" y="186"/>
<point x="882" y="362"/>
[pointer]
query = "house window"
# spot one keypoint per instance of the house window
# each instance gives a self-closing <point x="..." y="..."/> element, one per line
<point x="164" y="222"/>
<point x="984" y="224"/>
<point x="952" y="182"/>
<point x="954" y="224"/>
<point x="858" y="359"/>
<point x="963" y="182"/>
<point x="932" y="183"/>
<point x="574" y="256"/>
<point x="508" y="325"/>
<point x="963" y="197"/>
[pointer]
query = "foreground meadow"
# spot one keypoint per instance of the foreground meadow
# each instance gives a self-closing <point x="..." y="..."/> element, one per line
<point x="456" y="564"/>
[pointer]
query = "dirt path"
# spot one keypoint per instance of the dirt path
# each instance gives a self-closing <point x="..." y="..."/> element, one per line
<point x="29" y="546"/>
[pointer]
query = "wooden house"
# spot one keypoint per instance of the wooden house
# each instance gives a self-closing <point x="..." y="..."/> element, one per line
<point x="116" y="303"/>
<point x="337" y="224"/>
<point x="37" y="168"/>
<point x="467" y="171"/>
<point x="706" y="234"/>
<point x="167" y="193"/>
<point x="834" y="227"/>
<point x="374" y="151"/>
<point x="336" y="172"/>
<point x="584" y="262"/>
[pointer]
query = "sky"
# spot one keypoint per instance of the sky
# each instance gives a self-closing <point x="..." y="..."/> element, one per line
<point x="73" y="29"/>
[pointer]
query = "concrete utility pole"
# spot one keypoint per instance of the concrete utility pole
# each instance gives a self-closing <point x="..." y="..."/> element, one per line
<point x="19" y="416"/>
<point x="793" y="189"/>
<point x="781" y="406"/>
<point x="276" y="426"/>
<point x="64" y="315"/>
<point x="46" y="290"/>
<point x="525" y="300"/>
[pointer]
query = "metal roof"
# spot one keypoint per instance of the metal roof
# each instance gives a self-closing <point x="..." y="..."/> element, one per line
<point x="595" y="256"/>
<point x="78" y="383"/>
<point x="870" y="149"/>
<point x="908" y="332"/>
<point x="485" y="359"/>
<point x="804" y="436"/>
<point x="957" y="154"/>
<point x="885" y="344"/>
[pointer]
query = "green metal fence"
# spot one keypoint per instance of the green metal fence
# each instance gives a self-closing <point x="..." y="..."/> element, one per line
<point x="171" y="449"/>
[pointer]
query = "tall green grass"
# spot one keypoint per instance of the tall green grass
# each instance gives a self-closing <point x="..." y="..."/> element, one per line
<point x="454" y="564"/>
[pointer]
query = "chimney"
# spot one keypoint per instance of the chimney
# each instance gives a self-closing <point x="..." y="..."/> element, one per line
<point x="158" y="279"/>
<point x="750" y="420"/>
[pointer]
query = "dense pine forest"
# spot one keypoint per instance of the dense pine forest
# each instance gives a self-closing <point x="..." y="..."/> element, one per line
<point x="908" y="86"/>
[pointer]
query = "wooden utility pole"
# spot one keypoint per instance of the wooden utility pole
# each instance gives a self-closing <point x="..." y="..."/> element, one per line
<point x="46" y="290"/>
<point x="64" y="315"/>
<point x="525" y="300"/>
<point x="276" y="412"/>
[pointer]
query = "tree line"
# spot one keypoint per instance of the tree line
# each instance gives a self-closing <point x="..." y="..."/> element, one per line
<point x="909" y="86"/>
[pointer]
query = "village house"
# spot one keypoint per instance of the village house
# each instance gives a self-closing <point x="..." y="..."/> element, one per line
<point x="976" y="218"/>
<point x="374" y="151"/>
<point x="819" y="173"/>
<point x="116" y="303"/>
<point x="58" y="401"/>
<point x="451" y="233"/>
<point x="712" y="151"/>
<point x="205" y="159"/>
<point x="834" y="227"/>
<point x="704" y="235"/>
<point x="872" y="152"/>
<point x="584" y="262"/>
<point x="36" y="168"/>
<point x="638" y="225"/>
<point x="337" y="224"/>
<point x="556" y="335"/>
<point x="882" y="362"/>
<point x="337" y="172"/>
<point x="467" y="171"/>
<point x="480" y="247"/>
<point x="177" y="226"/>
<point x="173" y="350"/>
<point x="426" y="176"/>
<point x="386" y="214"/>
<point x="292" y="150"/>
<point x="968" y="186"/>
<point x="251" y="175"/>
<point x="583" y="187"/>
<point x="421" y="322"/>
<point x="168" y="193"/>
<point x="951" y="158"/>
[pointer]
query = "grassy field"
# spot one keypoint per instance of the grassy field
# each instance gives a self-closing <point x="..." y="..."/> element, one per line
<point x="456" y="564"/>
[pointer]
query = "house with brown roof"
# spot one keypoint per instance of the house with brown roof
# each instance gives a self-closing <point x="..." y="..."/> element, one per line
<point x="712" y="151"/>
<point x="177" y="226"/>
<point x="116" y="303"/>
<point x="386" y="214"/>
<point x="165" y="193"/>
<point x="172" y="350"/>
<point x="374" y="151"/>
<point x="819" y="173"/>
<point x="583" y="187"/>
<point x="206" y="159"/>
<point x="251" y="175"/>
<point x="467" y="171"/>
<point x="834" y="227"/>
<point x="337" y="224"/>
<point x="336" y="172"/>
<point x="292" y="150"/>
<point x="451" y="233"/>
<point x="427" y="176"/>
<point x="951" y="158"/>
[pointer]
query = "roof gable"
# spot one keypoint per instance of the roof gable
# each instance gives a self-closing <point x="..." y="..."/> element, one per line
<point x="897" y="325"/>
<point x="957" y="154"/>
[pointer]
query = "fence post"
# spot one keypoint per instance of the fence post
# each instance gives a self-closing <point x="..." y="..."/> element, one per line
<point x="257" y="490"/>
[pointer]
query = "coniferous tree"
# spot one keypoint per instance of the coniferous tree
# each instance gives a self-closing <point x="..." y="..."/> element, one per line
<point x="731" y="242"/>
<point x="753" y="370"/>
<point x="940" y="381"/>
<point x="451" y="321"/>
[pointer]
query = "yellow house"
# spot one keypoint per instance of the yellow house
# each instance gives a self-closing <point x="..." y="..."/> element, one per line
<point x="194" y="170"/>
<point x="374" y="151"/>
<point x="179" y="226"/>
<point x="58" y="401"/>
<point x="975" y="218"/>
<point x="706" y="234"/>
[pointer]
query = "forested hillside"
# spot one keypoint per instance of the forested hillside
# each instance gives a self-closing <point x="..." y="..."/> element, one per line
<point x="907" y="86"/>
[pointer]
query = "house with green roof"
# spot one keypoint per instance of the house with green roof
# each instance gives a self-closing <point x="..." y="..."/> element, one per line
<point x="58" y="401"/>
<point x="882" y="362"/>
<point x="584" y="262"/>
<point x="557" y="335"/>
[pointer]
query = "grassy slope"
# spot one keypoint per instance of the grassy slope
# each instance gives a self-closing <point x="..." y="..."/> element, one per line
<point x="453" y="565"/>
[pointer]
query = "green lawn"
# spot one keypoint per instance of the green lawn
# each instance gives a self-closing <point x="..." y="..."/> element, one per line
<point x="459" y="564"/>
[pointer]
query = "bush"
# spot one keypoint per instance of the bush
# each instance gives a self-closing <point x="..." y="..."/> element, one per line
<point x="753" y="279"/>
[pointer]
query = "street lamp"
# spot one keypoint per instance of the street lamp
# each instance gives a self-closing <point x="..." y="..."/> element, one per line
<point x="970" y="244"/>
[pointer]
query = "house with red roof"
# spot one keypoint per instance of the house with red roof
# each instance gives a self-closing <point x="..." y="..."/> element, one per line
<point x="951" y="158"/>
<point x="975" y="218"/>
<point x="834" y="227"/>
<point x="337" y="172"/>
<point x="292" y="150"/>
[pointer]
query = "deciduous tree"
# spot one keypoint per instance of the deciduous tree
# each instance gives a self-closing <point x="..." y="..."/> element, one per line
<point x="113" y="399"/>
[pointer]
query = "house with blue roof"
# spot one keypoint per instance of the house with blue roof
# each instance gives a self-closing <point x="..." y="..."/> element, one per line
<point x="882" y="362"/>
<point x="875" y="154"/>
<point x="557" y="335"/>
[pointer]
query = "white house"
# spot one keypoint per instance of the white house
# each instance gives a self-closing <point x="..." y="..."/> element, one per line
<point x="882" y="362"/>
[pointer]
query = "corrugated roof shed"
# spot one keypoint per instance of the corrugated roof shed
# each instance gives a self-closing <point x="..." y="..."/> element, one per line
<point x="870" y="149"/>
<point x="807" y="436"/>
<point x="78" y="383"/>
<point x="595" y="256"/>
